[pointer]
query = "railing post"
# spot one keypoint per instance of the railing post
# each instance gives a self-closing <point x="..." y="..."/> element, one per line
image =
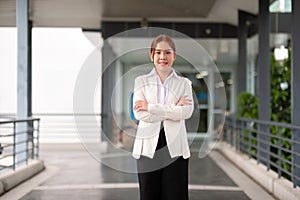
<point x="231" y="129"/>
<point x="38" y="139"/>
<point x="238" y="136"/>
<point x="279" y="151"/>
<point x="249" y="140"/>
<point x="234" y="137"/>
<point x="32" y="139"/>
<point x="295" y="158"/>
<point x="14" y="146"/>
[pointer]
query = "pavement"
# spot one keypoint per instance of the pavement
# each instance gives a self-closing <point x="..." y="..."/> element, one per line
<point x="72" y="173"/>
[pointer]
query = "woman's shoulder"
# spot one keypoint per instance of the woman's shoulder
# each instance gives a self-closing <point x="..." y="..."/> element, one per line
<point x="184" y="80"/>
<point x="145" y="76"/>
<point x="140" y="77"/>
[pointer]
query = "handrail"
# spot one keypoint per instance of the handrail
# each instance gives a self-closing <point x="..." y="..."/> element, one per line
<point x="272" y="123"/>
<point x="9" y="132"/>
<point x="67" y="114"/>
<point x="270" y="143"/>
<point x="19" y="120"/>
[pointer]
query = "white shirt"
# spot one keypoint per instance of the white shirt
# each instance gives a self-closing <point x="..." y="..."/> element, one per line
<point x="162" y="88"/>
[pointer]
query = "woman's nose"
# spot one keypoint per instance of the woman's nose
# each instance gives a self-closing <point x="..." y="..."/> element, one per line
<point x="162" y="56"/>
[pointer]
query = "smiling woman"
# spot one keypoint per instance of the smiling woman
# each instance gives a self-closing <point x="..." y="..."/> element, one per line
<point x="163" y="100"/>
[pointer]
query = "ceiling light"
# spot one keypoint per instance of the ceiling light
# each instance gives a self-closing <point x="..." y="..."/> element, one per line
<point x="220" y="84"/>
<point x="229" y="81"/>
<point x="281" y="53"/>
<point x="202" y="74"/>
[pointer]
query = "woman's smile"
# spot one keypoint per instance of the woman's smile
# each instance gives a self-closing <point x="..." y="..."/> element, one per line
<point x="163" y="63"/>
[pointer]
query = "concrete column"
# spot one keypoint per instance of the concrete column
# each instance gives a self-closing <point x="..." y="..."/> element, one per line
<point x="296" y="86"/>
<point x="264" y="78"/>
<point x="24" y="107"/>
<point x="242" y="39"/>
<point x="108" y="84"/>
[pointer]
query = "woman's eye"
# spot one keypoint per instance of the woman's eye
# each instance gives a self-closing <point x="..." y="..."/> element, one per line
<point x="157" y="52"/>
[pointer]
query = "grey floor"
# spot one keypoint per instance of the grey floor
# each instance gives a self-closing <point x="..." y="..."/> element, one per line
<point x="76" y="175"/>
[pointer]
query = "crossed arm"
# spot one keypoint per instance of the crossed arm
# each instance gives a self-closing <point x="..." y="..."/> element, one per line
<point x="149" y="112"/>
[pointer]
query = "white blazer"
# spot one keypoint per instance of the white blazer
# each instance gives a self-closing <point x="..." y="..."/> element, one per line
<point x="173" y="117"/>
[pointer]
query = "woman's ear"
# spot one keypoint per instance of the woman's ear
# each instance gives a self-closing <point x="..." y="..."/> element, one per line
<point x="151" y="57"/>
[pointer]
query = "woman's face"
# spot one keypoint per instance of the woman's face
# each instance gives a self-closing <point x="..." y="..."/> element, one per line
<point x="163" y="56"/>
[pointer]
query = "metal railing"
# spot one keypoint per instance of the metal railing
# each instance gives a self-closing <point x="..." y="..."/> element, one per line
<point x="19" y="142"/>
<point x="62" y="127"/>
<point x="270" y="143"/>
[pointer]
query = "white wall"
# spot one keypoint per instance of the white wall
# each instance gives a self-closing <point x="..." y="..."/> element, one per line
<point x="8" y="70"/>
<point x="57" y="56"/>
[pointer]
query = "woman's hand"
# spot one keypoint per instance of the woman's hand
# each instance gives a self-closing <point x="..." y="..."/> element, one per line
<point x="184" y="101"/>
<point x="141" y="105"/>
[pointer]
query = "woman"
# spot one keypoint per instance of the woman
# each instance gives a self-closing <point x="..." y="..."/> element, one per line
<point x="163" y="100"/>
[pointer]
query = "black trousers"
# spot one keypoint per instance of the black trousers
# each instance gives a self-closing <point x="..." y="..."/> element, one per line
<point x="163" y="177"/>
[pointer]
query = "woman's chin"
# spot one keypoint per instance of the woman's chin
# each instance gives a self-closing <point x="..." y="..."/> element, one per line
<point x="164" y="68"/>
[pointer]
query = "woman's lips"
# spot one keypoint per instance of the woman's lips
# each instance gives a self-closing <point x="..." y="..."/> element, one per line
<point x="163" y="63"/>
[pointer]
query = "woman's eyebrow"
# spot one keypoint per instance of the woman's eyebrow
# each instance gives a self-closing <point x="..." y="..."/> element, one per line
<point x="163" y="50"/>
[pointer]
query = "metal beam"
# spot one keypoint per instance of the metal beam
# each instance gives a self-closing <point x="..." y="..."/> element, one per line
<point x="280" y="22"/>
<point x="242" y="41"/>
<point x="296" y="86"/>
<point x="24" y="78"/>
<point x="264" y="79"/>
<point x="194" y="30"/>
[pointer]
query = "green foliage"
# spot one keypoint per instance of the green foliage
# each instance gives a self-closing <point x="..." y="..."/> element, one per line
<point x="281" y="90"/>
<point x="280" y="112"/>
<point x="248" y="108"/>
<point x="248" y="105"/>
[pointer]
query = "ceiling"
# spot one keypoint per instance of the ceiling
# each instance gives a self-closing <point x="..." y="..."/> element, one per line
<point x="200" y="52"/>
<point x="89" y="13"/>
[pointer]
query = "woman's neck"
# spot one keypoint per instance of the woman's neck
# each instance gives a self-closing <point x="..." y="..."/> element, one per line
<point x="163" y="74"/>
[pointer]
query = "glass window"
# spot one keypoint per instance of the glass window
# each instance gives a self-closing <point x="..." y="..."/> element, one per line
<point x="283" y="6"/>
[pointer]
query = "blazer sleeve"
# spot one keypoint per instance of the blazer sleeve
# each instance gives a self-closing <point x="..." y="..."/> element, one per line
<point x="174" y="112"/>
<point x="139" y="91"/>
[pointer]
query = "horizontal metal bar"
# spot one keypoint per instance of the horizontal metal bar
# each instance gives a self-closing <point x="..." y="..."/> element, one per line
<point x="271" y="144"/>
<point x="6" y="155"/>
<point x="19" y="152"/>
<point x="67" y="114"/>
<point x="6" y="145"/>
<point x="270" y="123"/>
<point x="6" y="166"/>
<point x="281" y="169"/>
<point x="246" y="133"/>
<point x="7" y="135"/>
<point x="20" y="120"/>
<point x="280" y="158"/>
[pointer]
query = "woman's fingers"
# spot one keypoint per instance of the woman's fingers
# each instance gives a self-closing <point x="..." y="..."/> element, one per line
<point x="141" y="105"/>
<point x="183" y="101"/>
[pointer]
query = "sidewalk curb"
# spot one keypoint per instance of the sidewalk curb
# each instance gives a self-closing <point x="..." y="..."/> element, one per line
<point x="13" y="178"/>
<point x="279" y="187"/>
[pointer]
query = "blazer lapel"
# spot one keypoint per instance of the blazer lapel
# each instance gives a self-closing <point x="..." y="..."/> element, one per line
<point x="172" y="96"/>
<point x="152" y="89"/>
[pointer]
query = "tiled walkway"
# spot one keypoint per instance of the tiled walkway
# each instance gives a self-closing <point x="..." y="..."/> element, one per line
<point x="73" y="174"/>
